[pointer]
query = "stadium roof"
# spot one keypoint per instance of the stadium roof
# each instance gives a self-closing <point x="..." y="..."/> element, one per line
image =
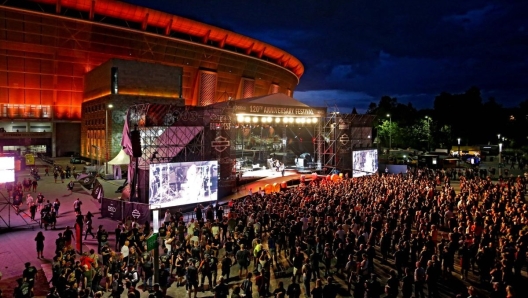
<point x="173" y="23"/>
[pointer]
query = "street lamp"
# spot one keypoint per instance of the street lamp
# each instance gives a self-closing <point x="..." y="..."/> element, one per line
<point x="109" y="106"/>
<point x="500" y="159"/>
<point x="458" y="148"/>
<point x="390" y="133"/>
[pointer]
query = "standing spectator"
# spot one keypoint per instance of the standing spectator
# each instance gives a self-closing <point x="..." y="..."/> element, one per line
<point x="247" y="285"/>
<point x="419" y="281"/>
<point x="117" y="232"/>
<point x="32" y="210"/>
<point x="40" y="244"/>
<point x="40" y="201"/>
<point x="77" y="205"/>
<point x="46" y="171"/>
<point x="407" y="283"/>
<point x="221" y="290"/>
<point x="29" y="275"/>
<point x="70" y="186"/>
<point x="56" y="206"/>
<point x="29" y="199"/>
<point x="125" y="251"/>
<point x="192" y="279"/>
<point x="242" y="258"/>
<point x="34" y="184"/>
<point x="294" y="290"/>
<point x="68" y="236"/>
<point x="167" y="218"/>
<point x="62" y="175"/>
<point x="55" y="175"/>
<point x="89" y="227"/>
<point x="198" y="212"/>
<point x="102" y="238"/>
<point x="431" y="277"/>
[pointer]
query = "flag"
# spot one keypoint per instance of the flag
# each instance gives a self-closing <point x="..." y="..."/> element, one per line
<point x="126" y="142"/>
<point x="97" y="191"/>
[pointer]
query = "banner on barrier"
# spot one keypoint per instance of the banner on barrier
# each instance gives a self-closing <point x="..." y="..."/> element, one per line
<point x="140" y="212"/>
<point x="112" y="209"/>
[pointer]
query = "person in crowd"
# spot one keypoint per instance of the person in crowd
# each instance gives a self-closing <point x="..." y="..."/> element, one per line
<point x="40" y="244"/>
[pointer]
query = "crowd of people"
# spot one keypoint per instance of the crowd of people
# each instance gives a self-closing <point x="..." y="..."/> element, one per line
<point x="392" y="235"/>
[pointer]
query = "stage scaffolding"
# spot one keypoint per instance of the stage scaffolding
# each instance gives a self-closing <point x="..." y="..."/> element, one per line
<point x="169" y="133"/>
<point x="338" y="135"/>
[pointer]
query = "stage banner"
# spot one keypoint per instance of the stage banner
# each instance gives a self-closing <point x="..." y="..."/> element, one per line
<point x="97" y="190"/>
<point x="138" y="211"/>
<point x="78" y="238"/>
<point x="112" y="209"/>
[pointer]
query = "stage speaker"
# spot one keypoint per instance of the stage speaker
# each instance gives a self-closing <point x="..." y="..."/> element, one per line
<point x="135" y="137"/>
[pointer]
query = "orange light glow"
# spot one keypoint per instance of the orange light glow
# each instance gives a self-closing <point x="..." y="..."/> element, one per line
<point x="158" y="19"/>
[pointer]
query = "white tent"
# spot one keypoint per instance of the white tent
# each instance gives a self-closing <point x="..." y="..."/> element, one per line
<point x="121" y="159"/>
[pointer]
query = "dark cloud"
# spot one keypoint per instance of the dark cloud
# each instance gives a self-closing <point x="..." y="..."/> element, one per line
<point x="354" y="52"/>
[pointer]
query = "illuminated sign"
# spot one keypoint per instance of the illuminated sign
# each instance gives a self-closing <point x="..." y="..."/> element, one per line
<point x="280" y="110"/>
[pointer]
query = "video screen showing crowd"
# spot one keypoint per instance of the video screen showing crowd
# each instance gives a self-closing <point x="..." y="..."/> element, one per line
<point x="176" y="184"/>
<point x="365" y="162"/>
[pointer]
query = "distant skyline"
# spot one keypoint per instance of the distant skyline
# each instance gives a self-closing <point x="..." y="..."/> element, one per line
<point x="355" y="52"/>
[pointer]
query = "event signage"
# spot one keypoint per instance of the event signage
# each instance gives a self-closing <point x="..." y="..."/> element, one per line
<point x="280" y="110"/>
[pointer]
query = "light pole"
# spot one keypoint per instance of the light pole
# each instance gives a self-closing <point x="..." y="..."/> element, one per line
<point x="459" y="148"/>
<point x="109" y="106"/>
<point x="390" y="133"/>
<point x="500" y="160"/>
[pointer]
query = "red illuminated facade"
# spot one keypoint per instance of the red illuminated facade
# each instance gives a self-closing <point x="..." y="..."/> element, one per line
<point x="48" y="46"/>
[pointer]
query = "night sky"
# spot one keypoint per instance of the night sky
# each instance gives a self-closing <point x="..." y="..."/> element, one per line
<point x="354" y="52"/>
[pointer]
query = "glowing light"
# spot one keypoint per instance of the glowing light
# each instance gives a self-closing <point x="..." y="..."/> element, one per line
<point x="277" y="120"/>
<point x="240" y="118"/>
<point x="269" y="119"/>
<point x="303" y="120"/>
<point x="314" y="120"/>
<point x="255" y="119"/>
<point x="247" y="119"/>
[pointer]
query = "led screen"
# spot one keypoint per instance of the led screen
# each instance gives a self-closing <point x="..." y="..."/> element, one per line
<point x="365" y="162"/>
<point x="7" y="169"/>
<point x="176" y="184"/>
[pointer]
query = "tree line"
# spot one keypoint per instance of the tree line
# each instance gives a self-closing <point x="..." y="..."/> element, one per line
<point x="465" y="116"/>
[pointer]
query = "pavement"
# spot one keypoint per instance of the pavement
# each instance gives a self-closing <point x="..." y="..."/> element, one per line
<point x="17" y="233"/>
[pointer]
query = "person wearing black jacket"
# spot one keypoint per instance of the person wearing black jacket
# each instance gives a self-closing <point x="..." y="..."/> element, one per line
<point x="329" y="290"/>
<point x="294" y="289"/>
<point x="221" y="290"/>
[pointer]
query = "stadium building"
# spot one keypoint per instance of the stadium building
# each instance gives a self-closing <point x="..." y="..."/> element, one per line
<point x="70" y="68"/>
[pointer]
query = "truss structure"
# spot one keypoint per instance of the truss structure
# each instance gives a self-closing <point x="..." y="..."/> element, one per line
<point x="338" y="136"/>
<point x="325" y="144"/>
<point x="169" y="133"/>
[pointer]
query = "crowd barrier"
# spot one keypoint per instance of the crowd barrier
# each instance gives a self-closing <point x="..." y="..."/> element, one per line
<point x="119" y="210"/>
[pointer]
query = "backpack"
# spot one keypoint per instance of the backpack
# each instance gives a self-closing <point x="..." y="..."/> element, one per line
<point x="24" y="289"/>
